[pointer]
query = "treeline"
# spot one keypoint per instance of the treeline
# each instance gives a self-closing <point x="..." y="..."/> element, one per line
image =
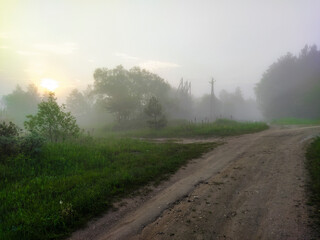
<point x="131" y="99"/>
<point x="291" y="86"/>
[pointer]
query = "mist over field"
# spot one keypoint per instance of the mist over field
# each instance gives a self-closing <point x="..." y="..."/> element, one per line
<point x="102" y="101"/>
<point x="57" y="46"/>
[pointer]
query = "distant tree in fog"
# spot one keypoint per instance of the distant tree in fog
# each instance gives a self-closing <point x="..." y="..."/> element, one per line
<point x="125" y="92"/>
<point x="153" y="110"/>
<point x="291" y="86"/>
<point x="232" y="104"/>
<point x="20" y="103"/>
<point x="78" y="103"/>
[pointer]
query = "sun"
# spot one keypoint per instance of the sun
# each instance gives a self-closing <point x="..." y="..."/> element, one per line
<point x="49" y="84"/>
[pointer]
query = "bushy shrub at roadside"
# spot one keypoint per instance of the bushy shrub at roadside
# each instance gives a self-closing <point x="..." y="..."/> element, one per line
<point x="31" y="144"/>
<point x="12" y="142"/>
<point x="9" y="138"/>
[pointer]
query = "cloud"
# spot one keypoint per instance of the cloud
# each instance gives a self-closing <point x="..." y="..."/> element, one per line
<point x="29" y="53"/>
<point x="58" y="49"/>
<point x="155" y="65"/>
<point x="150" y="65"/>
<point x="126" y="56"/>
<point x="4" y="47"/>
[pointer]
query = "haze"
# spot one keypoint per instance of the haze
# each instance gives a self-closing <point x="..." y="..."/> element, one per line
<point x="232" y="41"/>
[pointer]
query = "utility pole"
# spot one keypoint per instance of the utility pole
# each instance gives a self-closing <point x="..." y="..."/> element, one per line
<point x="212" y="99"/>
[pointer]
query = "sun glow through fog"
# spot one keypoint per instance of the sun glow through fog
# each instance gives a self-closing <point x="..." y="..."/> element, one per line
<point x="49" y="84"/>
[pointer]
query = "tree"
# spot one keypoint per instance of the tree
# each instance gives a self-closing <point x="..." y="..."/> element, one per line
<point x="52" y="122"/>
<point x="78" y="103"/>
<point x="232" y="103"/>
<point x="291" y="86"/>
<point x="125" y="93"/>
<point x="153" y="110"/>
<point x="114" y="88"/>
<point x="20" y="103"/>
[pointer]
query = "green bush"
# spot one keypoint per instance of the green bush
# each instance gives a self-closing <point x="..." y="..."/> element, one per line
<point x="52" y="122"/>
<point x="31" y="144"/>
<point x="153" y="110"/>
<point x="12" y="143"/>
<point x="9" y="139"/>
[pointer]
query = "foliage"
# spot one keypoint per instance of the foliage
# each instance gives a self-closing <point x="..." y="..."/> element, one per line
<point x="78" y="103"/>
<point x="313" y="166"/>
<point x="48" y="196"/>
<point x="229" y="105"/>
<point x="9" y="133"/>
<point x="52" y="122"/>
<point x="232" y="103"/>
<point x="9" y="129"/>
<point x="89" y="111"/>
<point x="20" y="103"/>
<point x="153" y="110"/>
<point x="125" y="92"/>
<point x="31" y="144"/>
<point x="12" y="143"/>
<point x="291" y="86"/>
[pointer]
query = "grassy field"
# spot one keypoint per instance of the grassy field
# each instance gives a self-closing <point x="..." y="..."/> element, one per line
<point x="313" y="165"/>
<point x="295" y="121"/>
<point x="221" y="127"/>
<point x="49" y="196"/>
<point x="59" y="190"/>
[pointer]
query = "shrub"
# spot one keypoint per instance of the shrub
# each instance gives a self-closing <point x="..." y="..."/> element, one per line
<point x="153" y="110"/>
<point x="12" y="143"/>
<point x="9" y="138"/>
<point x="52" y="122"/>
<point x="31" y="144"/>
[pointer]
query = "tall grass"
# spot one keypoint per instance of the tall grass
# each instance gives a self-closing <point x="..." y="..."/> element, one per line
<point x="295" y="121"/>
<point x="221" y="127"/>
<point x="49" y="196"/>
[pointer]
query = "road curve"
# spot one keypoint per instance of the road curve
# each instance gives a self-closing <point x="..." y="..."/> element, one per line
<point x="251" y="187"/>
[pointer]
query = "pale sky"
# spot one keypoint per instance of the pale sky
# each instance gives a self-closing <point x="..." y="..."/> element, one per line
<point x="232" y="41"/>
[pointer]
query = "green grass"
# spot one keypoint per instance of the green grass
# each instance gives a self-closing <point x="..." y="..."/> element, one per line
<point x="295" y="121"/>
<point x="313" y="166"/>
<point x="50" y="196"/>
<point x="221" y="127"/>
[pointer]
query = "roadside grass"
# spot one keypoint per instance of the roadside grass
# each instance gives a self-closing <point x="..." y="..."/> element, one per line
<point x="49" y="196"/>
<point x="313" y="166"/>
<point x="221" y="127"/>
<point x="295" y="121"/>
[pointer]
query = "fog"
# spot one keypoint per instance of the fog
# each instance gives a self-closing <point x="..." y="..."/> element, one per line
<point x="59" y="45"/>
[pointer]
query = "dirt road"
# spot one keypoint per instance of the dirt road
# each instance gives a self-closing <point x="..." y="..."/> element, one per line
<point x="251" y="187"/>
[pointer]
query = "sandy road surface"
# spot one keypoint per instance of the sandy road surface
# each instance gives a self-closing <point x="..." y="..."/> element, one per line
<point x="252" y="187"/>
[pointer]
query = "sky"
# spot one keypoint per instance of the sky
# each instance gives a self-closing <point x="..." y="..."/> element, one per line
<point x="232" y="41"/>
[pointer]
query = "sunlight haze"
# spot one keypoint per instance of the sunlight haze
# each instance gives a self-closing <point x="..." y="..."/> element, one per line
<point x="232" y="41"/>
<point x="49" y="84"/>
